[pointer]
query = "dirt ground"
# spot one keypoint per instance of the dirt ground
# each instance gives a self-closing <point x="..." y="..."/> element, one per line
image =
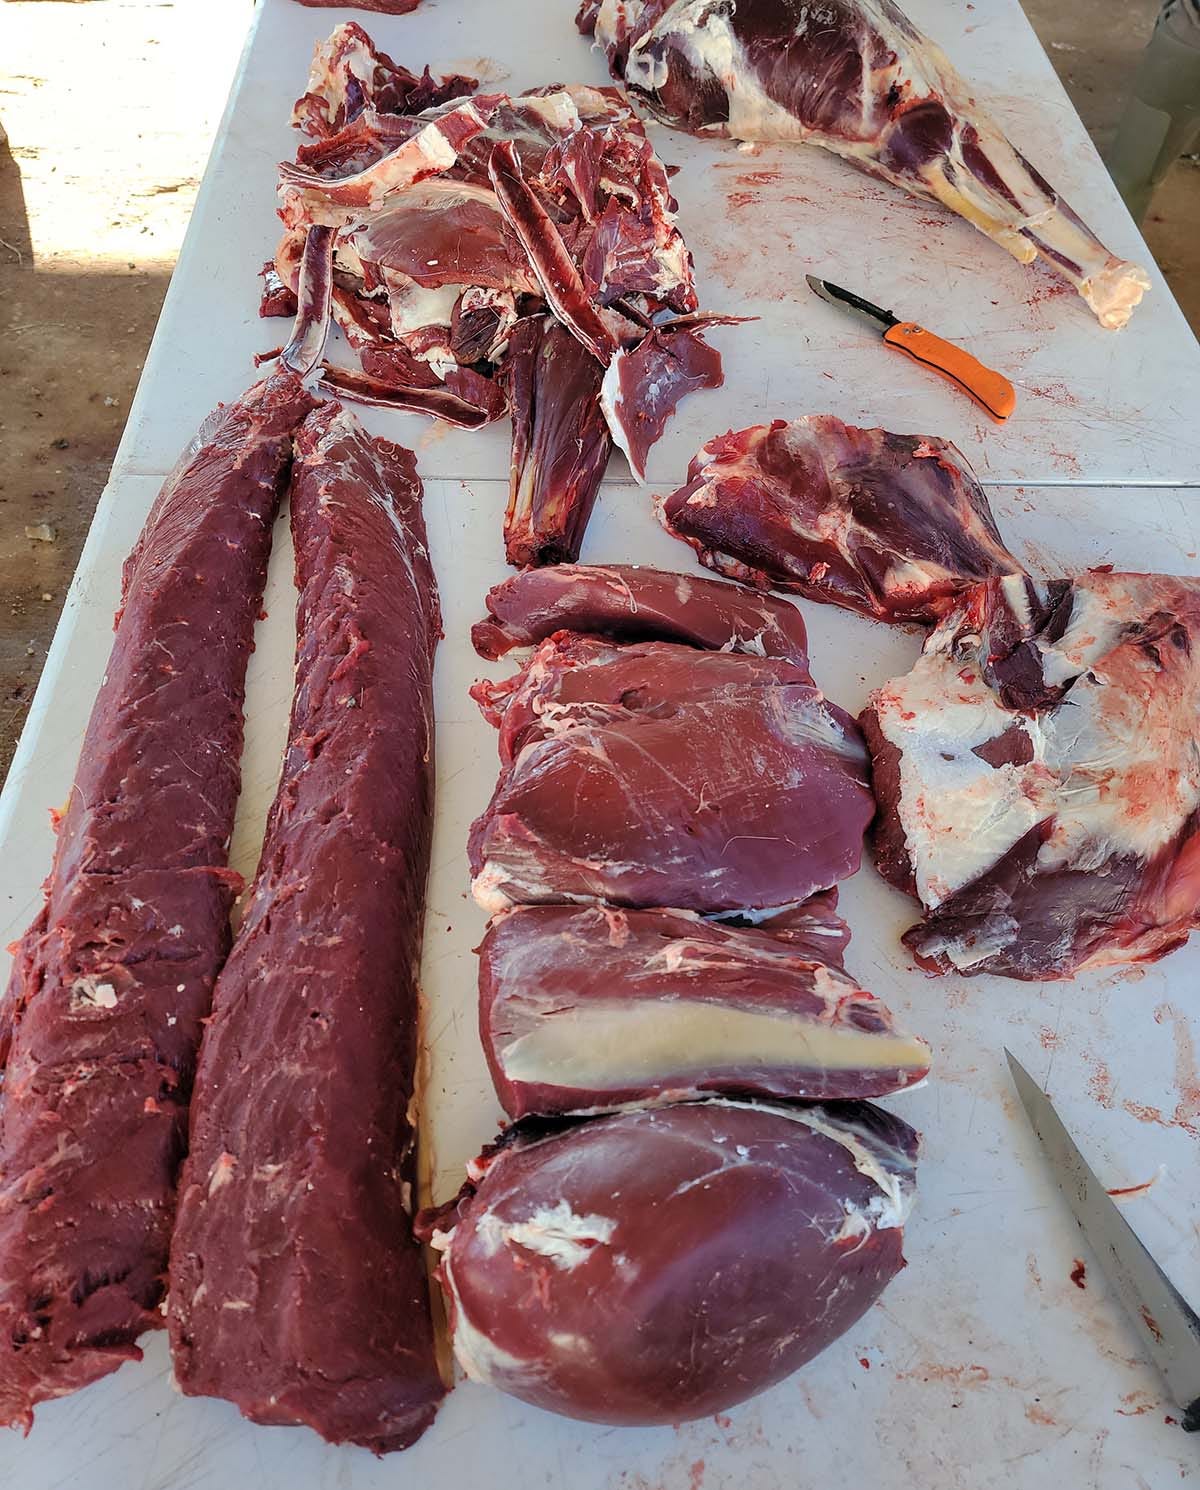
<point x="109" y="107"/>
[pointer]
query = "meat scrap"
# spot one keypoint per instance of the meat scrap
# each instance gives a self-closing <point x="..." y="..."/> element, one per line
<point x="739" y="790"/>
<point x="296" y="1289"/>
<point x="859" y="79"/>
<point x="632" y="603"/>
<point x="892" y="526"/>
<point x="112" y="982"/>
<point x="585" y="1008"/>
<point x="384" y="7"/>
<point x="458" y="225"/>
<point x="1038" y="778"/>
<point x="665" y="1263"/>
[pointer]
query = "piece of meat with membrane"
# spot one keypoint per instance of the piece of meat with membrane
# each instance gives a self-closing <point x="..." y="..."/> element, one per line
<point x="627" y="602"/>
<point x="349" y="77"/>
<point x="297" y="1291"/>
<point x="859" y="79"/>
<point x="586" y="1008"/>
<point x="745" y="802"/>
<point x="569" y="670"/>
<point x="644" y="385"/>
<point x="561" y="442"/>
<point x="1038" y="777"/>
<point x="665" y="1263"/>
<point x="111" y="984"/>
<point x="892" y="526"/>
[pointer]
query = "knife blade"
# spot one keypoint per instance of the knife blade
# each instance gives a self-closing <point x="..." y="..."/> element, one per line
<point x="1168" y="1326"/>
<point x="991" y="390"/>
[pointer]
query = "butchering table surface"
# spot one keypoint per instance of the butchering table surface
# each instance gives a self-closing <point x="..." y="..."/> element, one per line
<point x="985" y="1364"/>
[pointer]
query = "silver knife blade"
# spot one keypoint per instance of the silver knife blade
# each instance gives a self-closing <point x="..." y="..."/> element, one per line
<point x="1168" y="1326"/>
<point x="848" y="300"/>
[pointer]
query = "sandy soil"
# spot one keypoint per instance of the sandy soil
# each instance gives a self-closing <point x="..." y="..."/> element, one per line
<point x="109" y="108"/>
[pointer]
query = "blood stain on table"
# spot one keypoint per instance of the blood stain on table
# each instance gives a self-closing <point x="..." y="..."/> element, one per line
<point x="1078" y="1273"/>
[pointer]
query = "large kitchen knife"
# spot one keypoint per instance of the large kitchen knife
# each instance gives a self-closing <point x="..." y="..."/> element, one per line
<point x="1169" y="1327"/>
<point x="991" y="390"/>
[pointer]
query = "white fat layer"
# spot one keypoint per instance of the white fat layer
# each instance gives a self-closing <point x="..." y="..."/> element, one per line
<point x="1115" y="765"/>
<point x="612" y="1043"/>
<point x="486" y="889"/>
<point x="413" y="307"/>
<point x="554" y="1232"/>
<point x="481" y="1360"/>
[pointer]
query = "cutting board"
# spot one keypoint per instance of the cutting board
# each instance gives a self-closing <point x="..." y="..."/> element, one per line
<point x="985" y="1365"/>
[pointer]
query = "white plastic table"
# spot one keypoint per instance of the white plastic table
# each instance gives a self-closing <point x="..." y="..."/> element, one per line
<point x="984" y="1365"/>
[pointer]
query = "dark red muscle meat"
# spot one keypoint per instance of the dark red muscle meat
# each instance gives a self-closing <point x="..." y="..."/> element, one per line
<point x="589" y="1007"/>
<point x="666" y="1263"/>
<point x="628" y="602"/>
<point x="859" y="79"/>
<point x="1038" y="777"/>
<point x="691" y="789"/>
<point x="296" y="1289"/>
<point x="100" y="1025"/>
<point x="892" y="526"/>
<point x="560" y="446"/>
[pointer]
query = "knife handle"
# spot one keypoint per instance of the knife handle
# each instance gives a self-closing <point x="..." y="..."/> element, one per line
<point x="990" y="389"/>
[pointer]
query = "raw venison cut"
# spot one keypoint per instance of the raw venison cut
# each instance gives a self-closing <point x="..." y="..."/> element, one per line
<point x="858" y="78"/>
<point x="689" y="790"/>
<point x="665" y="1263"/>
<point x="560" y="445"/>
<point x="1038" y="776"/>
<point x="385" y="7"/>
<point x="585" y="1008"/>
<point x="569" y="669"/>
<point x="296" y="1289"/>
<point x="630" y="603"/>
<point x="112" y="982"/>
<point x="459" y="238"/>
<point x="892" y="526"/>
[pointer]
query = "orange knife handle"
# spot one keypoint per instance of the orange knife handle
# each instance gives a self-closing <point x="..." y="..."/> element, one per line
<point x="990" y="389"/>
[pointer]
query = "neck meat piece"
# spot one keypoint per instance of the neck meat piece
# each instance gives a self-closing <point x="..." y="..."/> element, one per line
<point x="892" y="526"/>
<point x="859" y="79"/>
<point x="1038" y="777"/>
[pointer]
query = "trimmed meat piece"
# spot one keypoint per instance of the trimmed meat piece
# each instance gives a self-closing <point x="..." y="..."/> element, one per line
<point x="644" y="386"/>
<point x="859" y="79"/>
<point x="561" y="443"/>
<point x="722" y="799"/>
<point x="1038" y="777"/>
<point x="892" y="526"/>
<point x="630" y="603"/>
<point x="569" y="669"/>
<point x="667" y="1263"/>
<point x="297" y="1291"/>
<point x="111" y="983"/>
<point x="591" y="1008"/>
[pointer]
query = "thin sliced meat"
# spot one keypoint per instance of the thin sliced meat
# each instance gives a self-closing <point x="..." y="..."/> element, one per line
<point x="1038" y="778"/>
<point x="296" y="1289"/>
<point x="628" y="602"/>
<point x="892" y="526"/>
<point x="314" y="291"/>
<point x="560" y="446"/>
<point x="741" y="803"/>
<point x="586" y="1008"/>
<point x="859" y="79"/>
<point x="111" y="983"/>
<point x="440" y="403"/>
<point x="643" y="388"/>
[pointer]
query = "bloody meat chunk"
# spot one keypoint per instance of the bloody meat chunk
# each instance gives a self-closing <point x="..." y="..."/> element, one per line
<point x="893" y="526"/>
<point x="296" y="1289"/>
<point x="100" y="1024"/>
<point x="1038" y="778"/>
<point x="666" y="1263"/>
<point x="584" y="1008"/>
<point x="629" y="603"/>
